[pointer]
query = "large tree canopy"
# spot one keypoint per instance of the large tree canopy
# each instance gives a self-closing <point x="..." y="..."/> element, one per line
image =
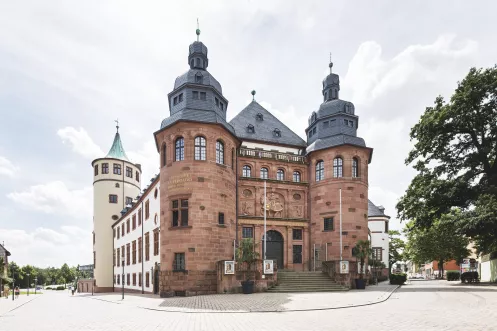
<point x="455" y="155"/>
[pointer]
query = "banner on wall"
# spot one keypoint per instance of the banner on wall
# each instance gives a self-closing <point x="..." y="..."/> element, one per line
<point x="229" y="267"/>
<point x="344" y="267"/>
<point x="268" y="267"/>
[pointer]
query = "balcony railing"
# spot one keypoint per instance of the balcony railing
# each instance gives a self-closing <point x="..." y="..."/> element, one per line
<point x="284" y="157"/>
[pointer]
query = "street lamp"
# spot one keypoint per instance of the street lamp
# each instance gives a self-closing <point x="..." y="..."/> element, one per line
<point x="28" y="283"/>
<point x="152" y="279"/>
<point x="123" y="278"/>
<point x="36" y="282"/>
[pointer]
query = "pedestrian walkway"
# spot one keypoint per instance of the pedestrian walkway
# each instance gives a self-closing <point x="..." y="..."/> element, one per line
<point x="7" y="305"/>
<point x="257" y="302"/>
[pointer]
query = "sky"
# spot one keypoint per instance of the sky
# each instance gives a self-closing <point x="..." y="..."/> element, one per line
<point x="68" y="69"/>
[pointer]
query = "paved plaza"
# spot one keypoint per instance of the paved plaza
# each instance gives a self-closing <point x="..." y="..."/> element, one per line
<point x="428" y="305"/>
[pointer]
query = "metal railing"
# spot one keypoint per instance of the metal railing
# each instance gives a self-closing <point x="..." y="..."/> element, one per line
<point x="285" y="157"/>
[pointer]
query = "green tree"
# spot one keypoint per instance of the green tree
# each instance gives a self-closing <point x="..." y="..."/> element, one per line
<point x="396" y="249"/>
<point x="362" y="251"/>
<point x="246" y="254"/>
<point x="441" y="242"/>
<point x="455" y="155"/>
<point x="66" y="274"/>
<point x="25" y="270"/>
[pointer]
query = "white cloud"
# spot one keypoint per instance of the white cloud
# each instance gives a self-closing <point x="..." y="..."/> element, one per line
<point x="148" y="157"/>
<point x="45" y="247"/>
<point x="81" y="142"/>
<point x="56" y="198"/>
<point x="7" y="168"/>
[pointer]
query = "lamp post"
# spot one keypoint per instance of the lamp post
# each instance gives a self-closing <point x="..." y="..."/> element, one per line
<point x="36" y="283"/>
<point x="152" y="278"/>
<point x="123" y="277"/>
<point x="13" y="281"/>
<point x="28" y="283"/>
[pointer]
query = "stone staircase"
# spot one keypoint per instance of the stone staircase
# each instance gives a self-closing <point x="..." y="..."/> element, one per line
<point x="305" y="281"/>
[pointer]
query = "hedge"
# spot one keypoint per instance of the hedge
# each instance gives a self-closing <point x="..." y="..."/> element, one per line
<point x="60" y="288"/>
<point x="398" y="279"/>
<point x="453" y="275"/>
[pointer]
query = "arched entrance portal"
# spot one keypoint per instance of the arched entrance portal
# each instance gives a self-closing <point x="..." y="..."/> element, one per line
<point x="274" y="246"/>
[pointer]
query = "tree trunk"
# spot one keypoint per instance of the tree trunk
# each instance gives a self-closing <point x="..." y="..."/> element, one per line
<point x="440" y="268"/>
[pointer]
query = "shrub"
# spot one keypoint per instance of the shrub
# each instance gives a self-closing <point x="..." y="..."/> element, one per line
<point x="470" y="277"/>
<point x="398" y="279"/>
<point x="48" y="288"/>
<point x="453" y="275"/>
<point x="60" y="288"/>
<point x="382" y="278"/>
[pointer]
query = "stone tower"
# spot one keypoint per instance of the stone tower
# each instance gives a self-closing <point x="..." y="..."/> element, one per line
<point x="116" y="182"/>
<point x="197" y="180"/>
<point x="338" y="160"/>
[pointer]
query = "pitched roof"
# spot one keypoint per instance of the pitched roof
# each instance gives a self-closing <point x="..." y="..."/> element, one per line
<point x="374" y="210"/>
<point x="6" y="251"/>
<point x="336" y="140"/>
<point x="195" y="115"/>
<point x="117" y="150"/>
<point x="264" y="129"/>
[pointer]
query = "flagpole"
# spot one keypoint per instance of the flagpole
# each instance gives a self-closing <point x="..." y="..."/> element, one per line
<point x="341" y="246"/>
<point x="265" y="206"/>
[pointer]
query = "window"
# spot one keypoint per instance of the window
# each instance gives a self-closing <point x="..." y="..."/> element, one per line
<point x="220" y="219"/>
<point x="118" y="279"/>
<point x="147" y="246"/>
<point x="297" y="234"/>
<point x="219" y="152"/>
<point x="377" y="253"/>
<point x="349" y="123"/>
<point x="180" y="98"/>
<point x="259" y="117"/>
<point x="164" y="155"/>
<point x="118" y="233"/>
<point x="117" y="185"/>
<point x="140" y="250"/>
<point x="221" y="105"/>
<point x="355" y="168"/>
<point x="105" y="168"/>
<point x="277" y="133"/>
<point x="333" y="122"/>
<point x="129" y="201"/>
<point x="129" y="172"/>
<point x="179" y="261"/>
<point x="139" y="217"/>
<point x="139" y="279"/>
<point x="114" y="279"/>
<point x="180" y="149"/>
<point x="314" y="130"/>
<point x="319" y="171"/>
<point x="195" y="95"/>
<point x="113" y="231"/>
<point x="338" y="167"/>
<point x="175" y="101"/>
<point x="122" y="229"/>
<point x="134" y="279"/>
<point x="137" y="176"/>
<point x="128" y="254"/>
<point x="147" y="209"/>
<point x="326" y="124"/>
<point x="134" y="221"/>
<point x="296" y="176"/>
<point x="114" y="258"/>
<point x="280" y="174"/>
<point x="250" y="128"/>
<point x="156" y="242"/>
<point x="203" y="96"/>
<point x="134" y="251"/>
<point x="127" y="226"/>
<point x="123" y="252"/>
<point x="216" y="100"/>
<point x="264" y="173"/>
<point x="246" y="171"/>
<point x="297" y="254"/>
<point x="232" y="159"/>
<point x="117" y="169"/>
<point x="247" y="232"/>
<point x="197" y="62"/>
<point x="112" y="198"/>
<point x="127" y="278"/>
<point x="200" y="148"/>
<point x="328" y="224"/>
<point x="147" y="281"/>
<point x="386" y="226"/>
<point x="118" y="257"/>
<point x="180" y="212"/>
<point x="96" y="169"/>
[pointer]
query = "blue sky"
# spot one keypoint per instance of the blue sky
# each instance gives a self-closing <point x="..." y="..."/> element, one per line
<point x="68" y="69"/>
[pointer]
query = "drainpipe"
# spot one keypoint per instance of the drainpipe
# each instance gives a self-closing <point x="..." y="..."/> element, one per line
<point x="143" y="243"/>
<point x="309" y="209"/>
<point x="236" y="202"/>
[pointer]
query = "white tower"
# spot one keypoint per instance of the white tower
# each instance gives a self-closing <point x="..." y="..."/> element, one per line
<point x="116" y="182"/>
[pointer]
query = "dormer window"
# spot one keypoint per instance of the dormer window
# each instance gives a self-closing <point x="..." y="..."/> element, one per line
<point x="250" y="128"/>
<point x="199" y="78"/>
<point x="277" y="133"/>
<point x="259" y="117"/>
<point x="313" y="118"/>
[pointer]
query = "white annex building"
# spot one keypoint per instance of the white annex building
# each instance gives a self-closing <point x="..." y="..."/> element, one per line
<point x="378" y="229"/>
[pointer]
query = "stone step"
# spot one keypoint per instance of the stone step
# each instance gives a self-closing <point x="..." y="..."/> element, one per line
<point x="276" y="290"/>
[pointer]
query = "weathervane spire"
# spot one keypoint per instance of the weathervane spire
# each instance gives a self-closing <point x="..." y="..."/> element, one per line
<point x="331" y="64"/>
<point x="198" y="30"/>
<point x="117" y="125"/>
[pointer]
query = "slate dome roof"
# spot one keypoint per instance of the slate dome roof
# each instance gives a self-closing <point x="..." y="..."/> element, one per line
<point x="189" y="77"/>
<point x="333" y="107"/>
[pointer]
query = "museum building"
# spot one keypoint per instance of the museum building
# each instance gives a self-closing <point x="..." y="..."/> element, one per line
<point x="210" y="189"/>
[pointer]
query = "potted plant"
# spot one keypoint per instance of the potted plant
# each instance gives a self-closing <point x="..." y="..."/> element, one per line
<point x="361" y="251"/>
<point x="247" y="255"/>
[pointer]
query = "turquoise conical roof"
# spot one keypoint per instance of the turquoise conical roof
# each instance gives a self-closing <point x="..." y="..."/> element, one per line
<point x="117" y="150"/>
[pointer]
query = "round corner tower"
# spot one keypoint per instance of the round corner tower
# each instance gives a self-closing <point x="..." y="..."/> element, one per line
<point x="116" y="182"/>
<point x="197" y="180"/>
<point x="338" y="166"/>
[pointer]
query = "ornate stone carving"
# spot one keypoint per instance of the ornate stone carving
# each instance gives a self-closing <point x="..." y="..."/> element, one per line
<point x="297" y="196"/>
<point x="298" y="211"/>
<point x="275" y="205"/>
<point x="246" y="210"/>
<point x="247" y="193"/>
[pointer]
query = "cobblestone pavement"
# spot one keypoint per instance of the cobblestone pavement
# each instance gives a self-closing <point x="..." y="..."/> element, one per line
<point x="419" y="306"/>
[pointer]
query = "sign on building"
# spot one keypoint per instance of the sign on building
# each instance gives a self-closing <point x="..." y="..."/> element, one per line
<point x="344" y="267"/>
<point x="268" y="266"/>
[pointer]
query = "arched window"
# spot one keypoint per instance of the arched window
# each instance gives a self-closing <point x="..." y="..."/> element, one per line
<point x="355" y="167"/>
<point x="296" y="176"/>
<point x="264" y="173"/>
<point x="232" y="159"/>
<point x="200" y="148"/>
<point x="198" y="78"/>
<point x="250" y="128"/>
<point x="191" y="63"/>
<point x="319" y="171"/>
<point x="164" y="155"/>
<point x="280" y="174"/>
<point x="197" y="62"/>
<point x="180" y="149"/>
<point x="246" y="171"/>
<point x="338" y="167"/>
<point x="219" y="152"/>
